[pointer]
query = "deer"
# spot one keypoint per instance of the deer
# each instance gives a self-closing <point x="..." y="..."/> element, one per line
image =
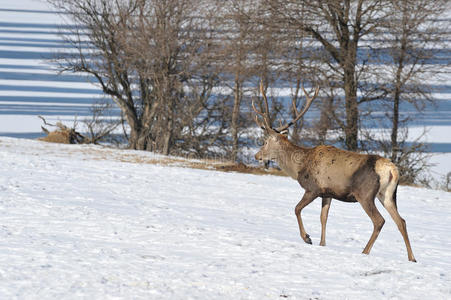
<point x="331" y="173"/>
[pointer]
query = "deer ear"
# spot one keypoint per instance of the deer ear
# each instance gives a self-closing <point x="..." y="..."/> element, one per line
<point x="284" y="132"/>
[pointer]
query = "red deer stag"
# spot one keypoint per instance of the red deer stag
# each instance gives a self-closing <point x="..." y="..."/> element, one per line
<point x="329" y="172"/>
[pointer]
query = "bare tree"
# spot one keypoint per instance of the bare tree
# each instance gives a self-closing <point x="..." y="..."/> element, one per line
<point x="339" y="27"/>
<point x="151" y="57"/>
<point x="236" y="46"/>
<point x="410" y="57"/>
<point x="414" y="36"/>
<point x="296" y="69"/>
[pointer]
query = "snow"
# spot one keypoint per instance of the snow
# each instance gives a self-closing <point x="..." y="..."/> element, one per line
<point x="78" y="222"/>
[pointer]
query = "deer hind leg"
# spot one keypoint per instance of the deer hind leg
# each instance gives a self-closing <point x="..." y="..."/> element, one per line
<point x="306" y="200"/>
<point x="387" y="199"/>
<point x="377" y="219"/>
<point x="324" y="214"/>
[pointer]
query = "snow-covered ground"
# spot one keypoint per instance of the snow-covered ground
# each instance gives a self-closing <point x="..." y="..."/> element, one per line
<point x="77" y="223"/>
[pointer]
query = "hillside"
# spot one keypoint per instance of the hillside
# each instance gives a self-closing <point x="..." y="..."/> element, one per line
<point x="77" y="222"/>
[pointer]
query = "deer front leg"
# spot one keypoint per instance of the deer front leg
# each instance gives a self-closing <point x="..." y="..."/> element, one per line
<point x="306" y="200"/>
<point x="324" y="214"/>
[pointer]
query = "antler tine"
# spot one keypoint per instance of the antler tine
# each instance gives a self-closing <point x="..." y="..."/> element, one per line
<point x="259" y="113"/>
<point x="293" y="106"/>
<point x="262" y="91"/>
<point x="258" y="122"/>
<point x="255" y="109"/>
<point x="264" y="115"/>
<point x="299" y="115"/>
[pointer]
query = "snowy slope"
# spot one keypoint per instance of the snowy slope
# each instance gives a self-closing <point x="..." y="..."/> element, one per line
<point x="76" y="222"/>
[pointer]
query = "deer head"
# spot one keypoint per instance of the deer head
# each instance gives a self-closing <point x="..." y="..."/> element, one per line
<point x="273" y="145"/>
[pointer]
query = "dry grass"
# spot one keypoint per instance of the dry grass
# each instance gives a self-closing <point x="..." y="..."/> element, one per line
<point x="202" y="164"/>
<point x="140" y="157"/>
<point x="242" y="168"/>
<point x="60" y="137"/>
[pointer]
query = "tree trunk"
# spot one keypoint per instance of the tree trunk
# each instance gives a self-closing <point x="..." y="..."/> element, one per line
<point x="324" y="123"/>
<point x="395" y="124"/>
<point x="352" y="112"/>
<point x="167" y="139"/>
<point x="135" y="131"/>
<point x="398" y="86"/>
<point x="235" y="118"/>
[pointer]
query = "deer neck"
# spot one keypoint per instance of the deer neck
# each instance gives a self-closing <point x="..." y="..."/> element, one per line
<point x="292" y="158"/>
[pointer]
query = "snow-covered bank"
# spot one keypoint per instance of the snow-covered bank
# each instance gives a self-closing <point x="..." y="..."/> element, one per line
<point x="77" y="223"/>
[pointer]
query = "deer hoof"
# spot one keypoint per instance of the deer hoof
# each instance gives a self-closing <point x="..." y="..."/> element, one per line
<point x="307" y="239"/>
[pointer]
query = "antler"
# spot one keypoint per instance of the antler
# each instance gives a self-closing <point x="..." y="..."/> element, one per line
<point x="299" y="115"/>
<point x="264" y="115"/>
